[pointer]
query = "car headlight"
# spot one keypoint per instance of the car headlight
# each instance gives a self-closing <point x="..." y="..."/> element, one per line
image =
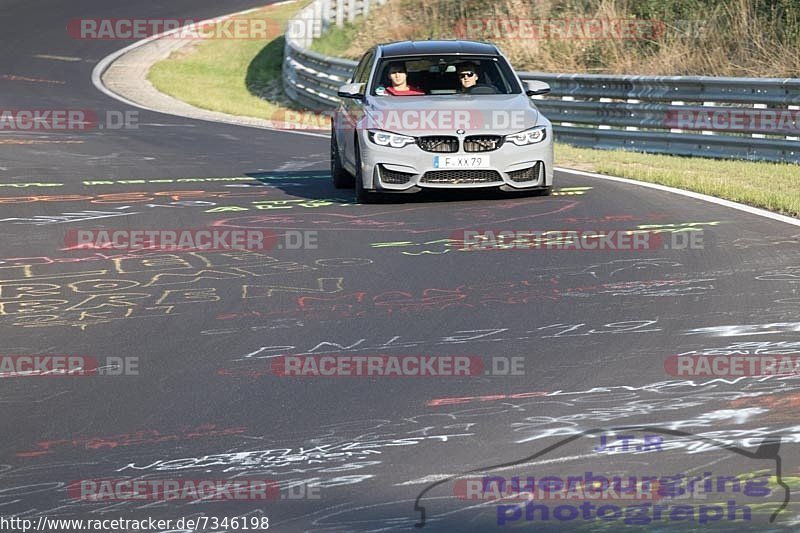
<point x="531" y="136"/>
<point x="384" y="138"/>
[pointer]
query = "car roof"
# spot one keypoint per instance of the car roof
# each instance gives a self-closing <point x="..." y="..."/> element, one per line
<point x="409" y="48"/>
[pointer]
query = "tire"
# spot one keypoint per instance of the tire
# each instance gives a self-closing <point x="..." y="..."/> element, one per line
<point x="342" y="179"/>
<point x="363" y="196"/>
<point x="547" y="191"/>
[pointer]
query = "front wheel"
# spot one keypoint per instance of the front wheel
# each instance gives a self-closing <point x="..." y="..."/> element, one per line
<point x="341" y="178"/>
<point x="363" y="196"/>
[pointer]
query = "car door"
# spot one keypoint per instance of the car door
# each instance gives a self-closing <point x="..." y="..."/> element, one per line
<point x="352" y="109"/>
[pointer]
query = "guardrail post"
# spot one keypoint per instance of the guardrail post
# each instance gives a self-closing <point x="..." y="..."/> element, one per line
<point x="604" y="126"/>
<point x="351" y="10"/>
<point x="308" y="29"/>
<point x="759" y="135"/>
<point x="633" y="101"/>
<point x="797" y="123"/>
<point x="316" y="20"/>
<point x="567" y="99"/>
<point x="340" y="13"/>
<point x="708" y="104"/>
<point x="676" y="130"/>
<point x="326" y="14"/>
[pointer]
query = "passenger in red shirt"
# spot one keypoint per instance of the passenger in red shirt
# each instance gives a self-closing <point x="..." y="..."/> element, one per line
<point x="399" y="78"/>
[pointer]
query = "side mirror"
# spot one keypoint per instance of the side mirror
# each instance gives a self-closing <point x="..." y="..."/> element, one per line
<point x="534" y="87"/>
<point x="351" y="90"/>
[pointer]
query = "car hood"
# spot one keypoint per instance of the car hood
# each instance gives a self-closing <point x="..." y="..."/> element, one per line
<point x="443" y="115"/>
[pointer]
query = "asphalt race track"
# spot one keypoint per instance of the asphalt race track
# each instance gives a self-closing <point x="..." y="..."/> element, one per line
<point x="586" y="332"/>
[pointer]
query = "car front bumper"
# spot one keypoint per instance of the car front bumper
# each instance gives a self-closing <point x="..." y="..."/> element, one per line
<point x="410" y="169"/>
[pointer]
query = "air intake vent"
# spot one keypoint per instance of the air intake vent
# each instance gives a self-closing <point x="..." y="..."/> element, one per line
<point x="461" y="176"/>
<point x="392" y="176"/>
<point x="526" y="174"/>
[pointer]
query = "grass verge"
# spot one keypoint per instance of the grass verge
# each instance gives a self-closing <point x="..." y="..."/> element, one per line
<point x="238" y="77"/>
<point x="242" y="77"/>
<point x="771" y="186"/>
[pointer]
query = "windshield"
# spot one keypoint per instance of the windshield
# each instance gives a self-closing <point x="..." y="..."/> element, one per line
<point x="443" y="75"/>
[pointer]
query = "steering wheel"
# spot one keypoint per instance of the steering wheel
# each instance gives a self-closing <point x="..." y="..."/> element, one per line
<point x="482" y="89"/>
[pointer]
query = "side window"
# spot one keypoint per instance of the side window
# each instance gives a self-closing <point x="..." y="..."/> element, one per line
<point x="362" y="70"/>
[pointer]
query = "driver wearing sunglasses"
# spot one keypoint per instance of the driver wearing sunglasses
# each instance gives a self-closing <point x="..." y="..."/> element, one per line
<point x="467" y="75"/>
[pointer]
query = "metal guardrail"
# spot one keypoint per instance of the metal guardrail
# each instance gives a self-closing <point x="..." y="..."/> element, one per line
<point x="742" y="118"/>
<point x="311" y="79"/>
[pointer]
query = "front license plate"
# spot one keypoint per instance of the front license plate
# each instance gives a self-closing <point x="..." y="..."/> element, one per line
<point x="461" y="161"/>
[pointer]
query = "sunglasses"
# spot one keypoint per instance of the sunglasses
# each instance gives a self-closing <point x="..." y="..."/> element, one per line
<point x="466" y="74"/>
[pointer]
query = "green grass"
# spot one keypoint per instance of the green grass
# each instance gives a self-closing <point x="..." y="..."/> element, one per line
<point x="772" y="186"/>
<point x="223" y="75"/>
<point x="336" y="40"/>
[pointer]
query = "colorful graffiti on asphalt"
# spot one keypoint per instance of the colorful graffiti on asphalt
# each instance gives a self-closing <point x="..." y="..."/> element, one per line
<point x="46" y="292"/>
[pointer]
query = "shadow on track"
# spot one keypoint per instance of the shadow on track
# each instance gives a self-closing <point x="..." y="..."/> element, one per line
<point x="317" y="185"/>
